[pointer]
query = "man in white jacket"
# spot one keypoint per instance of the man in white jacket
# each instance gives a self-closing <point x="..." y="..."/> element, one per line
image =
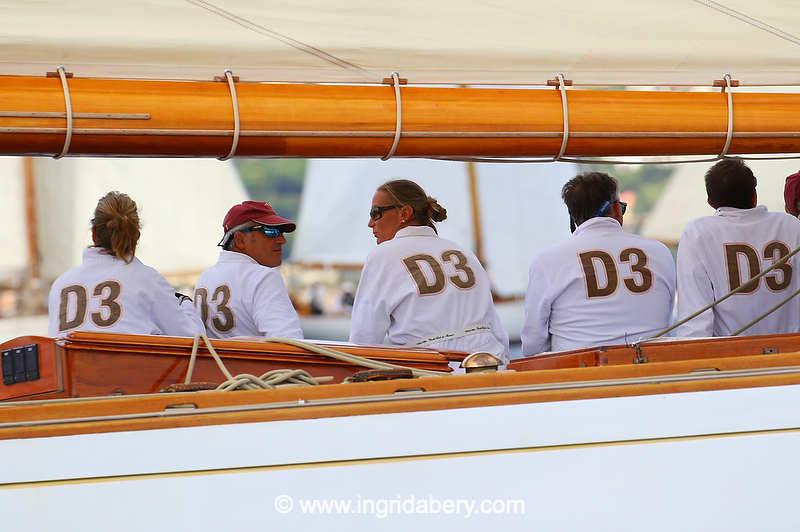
<point x="243" y="294"/>
<point x="722" y="252"/>
<point x="602" y="286"/>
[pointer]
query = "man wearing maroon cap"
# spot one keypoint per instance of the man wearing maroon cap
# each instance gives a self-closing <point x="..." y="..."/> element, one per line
<point x="243" y="294"/>
<point x="791" y="194"/>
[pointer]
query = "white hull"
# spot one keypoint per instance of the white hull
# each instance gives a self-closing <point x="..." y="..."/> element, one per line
<point x="718" y="460"/>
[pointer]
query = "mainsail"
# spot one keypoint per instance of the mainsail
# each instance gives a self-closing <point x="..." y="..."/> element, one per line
<point x="648" y="42"/>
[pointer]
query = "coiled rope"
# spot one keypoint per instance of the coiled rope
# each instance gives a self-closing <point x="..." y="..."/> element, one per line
<point x="288" y="377"/>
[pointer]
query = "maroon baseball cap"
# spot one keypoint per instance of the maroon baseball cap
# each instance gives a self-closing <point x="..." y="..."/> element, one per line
<point x="257" y="212"/>
<point x="791" y="193"/>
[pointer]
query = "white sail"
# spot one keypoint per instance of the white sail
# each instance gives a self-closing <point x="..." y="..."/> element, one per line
<point x="13" y="236"/>
<point x="684" y="197"/>
<point x="181" y="207"/>
<point x="447" y="41"/>
<point x="520" y="208"/>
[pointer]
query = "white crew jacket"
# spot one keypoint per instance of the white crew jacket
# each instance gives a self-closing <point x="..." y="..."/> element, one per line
<point x="107" y="294"/>
<point x="237" y="296"/>
<point x="418" y="288"/>
<point x="720" y="252"/>
<point x="602" y="286"/>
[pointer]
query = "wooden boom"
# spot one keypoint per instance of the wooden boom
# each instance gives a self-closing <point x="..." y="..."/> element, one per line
<point x="180" y="118"/>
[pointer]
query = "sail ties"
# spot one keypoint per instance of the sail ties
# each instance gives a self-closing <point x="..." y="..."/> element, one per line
<point x="236" y="122"/>
<point x="728" y="90"/>
<point x="62" y="74"/>
<point x="565" y="114"/>
<point x="727" y="83"/>
<point x="398" y="128"/>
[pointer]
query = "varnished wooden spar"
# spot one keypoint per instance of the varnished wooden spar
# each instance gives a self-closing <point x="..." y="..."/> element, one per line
<point x="180" y="118"/>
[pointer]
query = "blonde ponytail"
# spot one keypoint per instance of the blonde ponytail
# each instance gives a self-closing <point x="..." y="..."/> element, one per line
<point x="116" y="225"/>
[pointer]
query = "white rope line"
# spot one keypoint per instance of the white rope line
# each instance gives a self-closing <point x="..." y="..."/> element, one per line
<point x="398" y="127"/>
<point x="352" y="359"/>
<point x="236" y="122"/>
<point x="62" y="73"/>
<point x="565" y="114"/>
<point x="728" y="89"/>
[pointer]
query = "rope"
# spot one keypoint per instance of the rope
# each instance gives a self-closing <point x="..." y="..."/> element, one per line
<point x="767" y="313"/>
<point x="269" y="380"/>
<point x="398" y="126"/>
<point x="729" y="91"/>
<point x="236" y="122"/>
<point x="62" y="74"/>
<point x="352" y="359"/>
<point x="780" y="262"/>
<point x="288" y="377"/>
<point x="565" y="116"/>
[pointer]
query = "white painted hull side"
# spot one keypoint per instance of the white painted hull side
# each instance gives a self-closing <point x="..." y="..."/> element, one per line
<point x="720" y="460"/>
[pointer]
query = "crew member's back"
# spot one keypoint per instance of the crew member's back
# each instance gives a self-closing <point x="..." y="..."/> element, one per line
<point x="602" y="286"/>
<point x="720" y="253"/>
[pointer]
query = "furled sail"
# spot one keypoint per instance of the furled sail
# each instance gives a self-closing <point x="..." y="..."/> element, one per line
<point x="647" y="42"/>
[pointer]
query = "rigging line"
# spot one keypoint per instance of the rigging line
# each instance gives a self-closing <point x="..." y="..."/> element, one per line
<point x="294" y="43"/>
<point x="747" y="19"/>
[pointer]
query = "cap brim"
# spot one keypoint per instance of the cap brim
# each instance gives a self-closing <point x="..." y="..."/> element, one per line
<point x="287" y="226"/>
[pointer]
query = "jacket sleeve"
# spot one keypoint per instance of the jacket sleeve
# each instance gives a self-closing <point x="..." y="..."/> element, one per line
<point x="273" y="312"/>
<point x="536" y="325"/>
<point x="500" y="333"/>
<point x="172" y="316"/>
<point x="371" y="316"/>
<point x="694" y="287"/>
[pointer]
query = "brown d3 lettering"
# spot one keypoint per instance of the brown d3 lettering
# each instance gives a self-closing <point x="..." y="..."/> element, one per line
<point x="732" y="254"/>
<point x="588" y="261"/>
<point x="424" y="287"/>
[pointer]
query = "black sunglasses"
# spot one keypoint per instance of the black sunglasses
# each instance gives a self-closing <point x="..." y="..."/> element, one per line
<point x="376" y="212"/>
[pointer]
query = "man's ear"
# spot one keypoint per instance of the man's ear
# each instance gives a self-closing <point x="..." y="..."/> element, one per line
<point x="755" y="198"/>
<point x="238" y="241"/>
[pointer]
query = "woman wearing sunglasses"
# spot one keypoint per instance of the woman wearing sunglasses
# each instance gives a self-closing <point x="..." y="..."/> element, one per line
<point x="417" y="288"/>
<point x="112" y="290"/>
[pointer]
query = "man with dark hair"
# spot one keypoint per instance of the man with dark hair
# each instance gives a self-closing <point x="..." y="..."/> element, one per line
<point x="720" y="253"/>
<point x="602" y="286"/>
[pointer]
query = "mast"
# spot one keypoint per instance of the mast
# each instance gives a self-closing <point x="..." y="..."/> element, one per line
<point x="31" y="290"/>
<point x="31" y="220"/>
<point x="477" y="226"/>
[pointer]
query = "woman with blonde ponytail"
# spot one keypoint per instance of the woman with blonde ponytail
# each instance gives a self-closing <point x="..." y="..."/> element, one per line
<point x="112" y="290"/>
<point x="417" y="288"/>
